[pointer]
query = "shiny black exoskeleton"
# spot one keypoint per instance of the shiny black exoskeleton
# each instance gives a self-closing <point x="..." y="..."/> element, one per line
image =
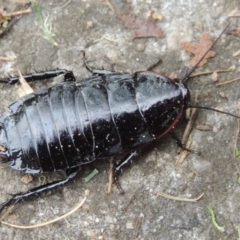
<point x="77" y="122"/>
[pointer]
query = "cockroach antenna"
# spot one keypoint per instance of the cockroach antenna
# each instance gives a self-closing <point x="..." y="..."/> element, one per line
<point x="186" y="78"/>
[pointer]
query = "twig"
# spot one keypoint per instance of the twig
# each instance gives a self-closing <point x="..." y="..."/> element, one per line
<point x="106" y="38"/>
<point x="210" y="72"/>
<point x="189" y="124"/>
<point x="184" y="153"/>
<point x="9" y="210"/>
<point x="64" y="5"/>
<point x="180" y="199"/>
<point x="12" y="14"/>
<point x="109" y="5"/>
<point x="130" y="201"/>
<point x="137" y="227"/>
<point x="186" y="135"/>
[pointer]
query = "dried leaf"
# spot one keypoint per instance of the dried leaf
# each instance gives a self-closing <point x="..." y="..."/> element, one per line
<point x="234" y="31"/>
<point x="12" y="217"/>
<point x="1" y="16"/>
<point x="27" y="179"/>
<point x="203" y="127"/>
<point x="173" y="75"/>
<point x="233" y="67"/>
<point x="24" y="88"/>
<point x="234" y="13"/>
<point x="155" y="16"/>
<point x="223" y="95"/>
<point x="236" y="53"/>
<point x="142" y="28"/>
<point x="109" y="5"/>
<point x="2" y="148"/>
<point x="86" y="207"/>
<point x="199" y="49"/>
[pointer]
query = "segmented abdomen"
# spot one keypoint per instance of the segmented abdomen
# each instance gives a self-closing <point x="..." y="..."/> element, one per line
<point x="74" y="123"/>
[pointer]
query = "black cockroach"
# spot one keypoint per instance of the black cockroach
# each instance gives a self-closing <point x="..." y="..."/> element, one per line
<point x="78" y="122"/>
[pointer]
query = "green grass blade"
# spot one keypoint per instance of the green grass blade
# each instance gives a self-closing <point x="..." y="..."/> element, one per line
<point x="221" y="229"/>
<point x="43" y="23"/>
<point x="91" y="175"/>
<point x="237" y="153"/>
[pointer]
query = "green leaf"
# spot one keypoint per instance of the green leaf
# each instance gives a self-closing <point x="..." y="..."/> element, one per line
<point x="238" y="180"/>
<point x="5" y="22"/>
<point x="237" y="153"/>
<point x="219" y="228"/>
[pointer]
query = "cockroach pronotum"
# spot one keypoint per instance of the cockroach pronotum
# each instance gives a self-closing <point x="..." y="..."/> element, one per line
<point x="78" y="122"/>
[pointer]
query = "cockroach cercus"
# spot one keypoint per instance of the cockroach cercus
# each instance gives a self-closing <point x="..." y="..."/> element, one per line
<point x="75" y="123"/>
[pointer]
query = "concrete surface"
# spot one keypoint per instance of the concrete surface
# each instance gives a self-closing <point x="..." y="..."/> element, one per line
<point x="146" y="215"/>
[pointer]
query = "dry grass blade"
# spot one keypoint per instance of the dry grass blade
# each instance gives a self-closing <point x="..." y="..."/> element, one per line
<point x="105" y="38"/>
<point x="110" y="176"/>
<point x="48" y="222"/>
<point x="8" y="58"/>
<point x="229" y="81"/>
<point x="180" y="199"/>
<point x="186" y="136"/>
